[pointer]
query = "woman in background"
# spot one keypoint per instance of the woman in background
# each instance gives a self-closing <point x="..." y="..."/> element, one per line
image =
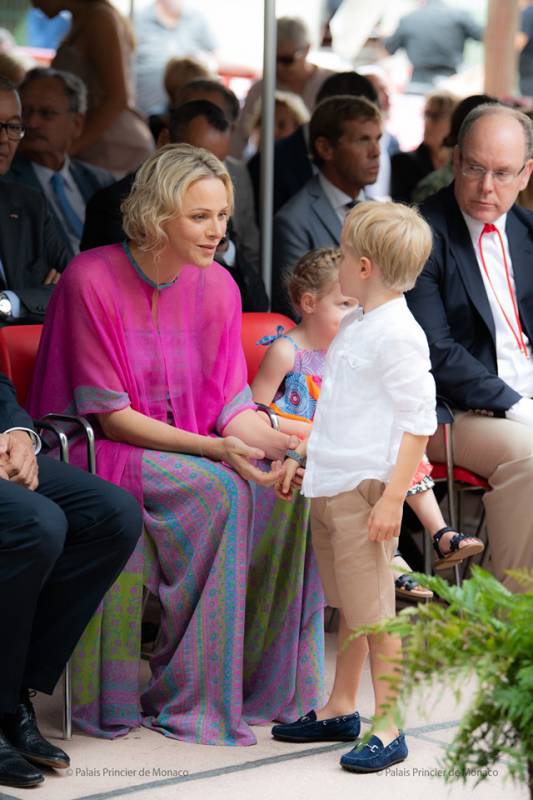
<point x="98" y="48"/>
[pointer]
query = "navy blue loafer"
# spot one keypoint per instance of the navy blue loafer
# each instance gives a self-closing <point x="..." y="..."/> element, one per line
<point x="374" y="756"/>
<point x="309" y="729"/>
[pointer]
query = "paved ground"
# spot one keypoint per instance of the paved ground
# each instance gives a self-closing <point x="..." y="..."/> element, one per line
<point x="146" y="766"/>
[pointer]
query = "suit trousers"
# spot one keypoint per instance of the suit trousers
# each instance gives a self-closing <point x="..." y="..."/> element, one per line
<point x="502" y="452"/>
<point x="61" y="548"/>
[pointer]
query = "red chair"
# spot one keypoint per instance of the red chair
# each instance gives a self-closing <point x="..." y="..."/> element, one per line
<point x="255" y="325"/>
<point x="18" y="351"/>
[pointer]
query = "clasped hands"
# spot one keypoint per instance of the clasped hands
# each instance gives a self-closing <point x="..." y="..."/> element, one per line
<point x="18" y="463"/>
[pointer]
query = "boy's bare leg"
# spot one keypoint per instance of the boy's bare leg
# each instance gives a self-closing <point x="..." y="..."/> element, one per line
<point x="384" y="647"/>
<point x="348" y="669"/>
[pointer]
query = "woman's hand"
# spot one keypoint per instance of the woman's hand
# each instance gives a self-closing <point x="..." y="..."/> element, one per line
<point x="239" y="456"/>
<point x="385" y="519"/>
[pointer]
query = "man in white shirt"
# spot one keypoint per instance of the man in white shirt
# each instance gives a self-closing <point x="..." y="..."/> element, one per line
<point x="344" y="135"/>
<point x="474" y="300"/>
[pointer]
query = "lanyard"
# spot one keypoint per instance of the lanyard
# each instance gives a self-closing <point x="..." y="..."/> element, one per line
<point x="519" y="337"/>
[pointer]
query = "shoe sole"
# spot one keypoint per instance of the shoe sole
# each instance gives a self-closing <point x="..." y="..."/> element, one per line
<point x="21" y="784"/>
<point x="379" y="769"/>
<point x="404" y="594"/>
<point x="459" y="555"/>
<point x="303" y="740"/>
<point x="43" y="761"/>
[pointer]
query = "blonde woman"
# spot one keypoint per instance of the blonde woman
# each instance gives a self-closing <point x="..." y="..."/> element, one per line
<point x="145" y="339"/>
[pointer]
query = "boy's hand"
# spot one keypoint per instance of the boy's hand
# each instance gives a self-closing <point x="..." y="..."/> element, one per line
<point x="385" y="519"/>
<point x="289" y="480"/>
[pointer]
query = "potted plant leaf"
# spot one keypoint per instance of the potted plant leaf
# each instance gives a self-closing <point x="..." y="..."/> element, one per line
<point x="481" y="630"/>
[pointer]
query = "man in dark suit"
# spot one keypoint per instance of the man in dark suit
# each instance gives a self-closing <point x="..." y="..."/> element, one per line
<point x="474" y="300"/>
<point x="53" y="112"/>
<point x="344" y="136"/>
<point x="64" y="537"/>
<point x="32" y="253"/>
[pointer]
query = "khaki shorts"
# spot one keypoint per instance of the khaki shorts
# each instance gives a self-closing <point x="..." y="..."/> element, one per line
<point x="356" y="573"/>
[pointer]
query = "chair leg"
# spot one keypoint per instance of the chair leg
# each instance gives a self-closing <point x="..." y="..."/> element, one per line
<point x="426" y="553"/>
<point x="457" y="574"/>
<point x="67" y="707"/>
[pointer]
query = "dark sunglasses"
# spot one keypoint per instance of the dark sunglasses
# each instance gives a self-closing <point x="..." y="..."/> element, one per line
<point x="288" y="60"/>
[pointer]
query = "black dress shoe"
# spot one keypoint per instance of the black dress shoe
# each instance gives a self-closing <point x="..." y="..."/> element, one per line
<point x="21" y="731"/>
<point x="15" y="770"/>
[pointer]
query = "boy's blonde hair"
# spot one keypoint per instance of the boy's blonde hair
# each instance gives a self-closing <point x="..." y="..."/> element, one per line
<point x="394" y="236"/>
<point x="315" y="272"/>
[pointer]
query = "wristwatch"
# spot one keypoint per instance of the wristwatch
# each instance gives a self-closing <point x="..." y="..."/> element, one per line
<point x="6" y="306"/>
<point x="295" y="455"/>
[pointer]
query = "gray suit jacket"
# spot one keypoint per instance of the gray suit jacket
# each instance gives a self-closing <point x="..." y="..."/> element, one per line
<point x="306" y="221"/>
<point x="87" y="178"/>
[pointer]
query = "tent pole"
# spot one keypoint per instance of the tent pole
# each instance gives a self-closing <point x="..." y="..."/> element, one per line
<point x="267" y="140"/>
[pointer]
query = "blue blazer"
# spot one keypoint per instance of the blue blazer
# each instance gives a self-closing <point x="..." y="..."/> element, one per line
<point x="87" y="178"/>
<point x="451" y="304"/>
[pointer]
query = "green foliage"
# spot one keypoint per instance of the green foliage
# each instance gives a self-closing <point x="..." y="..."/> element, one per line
<point x="481" y="630"/>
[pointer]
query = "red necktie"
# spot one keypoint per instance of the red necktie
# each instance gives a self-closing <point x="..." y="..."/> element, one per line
<point x="516" y="327"/>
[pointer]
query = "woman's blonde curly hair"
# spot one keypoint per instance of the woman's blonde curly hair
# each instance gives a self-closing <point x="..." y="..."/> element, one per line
<point x="159" y="188"/>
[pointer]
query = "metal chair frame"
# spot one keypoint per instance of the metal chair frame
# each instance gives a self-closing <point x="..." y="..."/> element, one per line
<point x="45" y="423"/>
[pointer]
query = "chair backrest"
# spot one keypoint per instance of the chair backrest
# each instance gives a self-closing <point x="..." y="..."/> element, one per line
<point x="18" y="351"/>
<point x="255" y="325"/>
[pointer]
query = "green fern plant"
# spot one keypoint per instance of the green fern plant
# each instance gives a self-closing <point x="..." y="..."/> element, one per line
<point x="481" y="630"/>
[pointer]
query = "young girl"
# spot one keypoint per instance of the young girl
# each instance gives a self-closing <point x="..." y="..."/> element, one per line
<point x="289" y="381"/>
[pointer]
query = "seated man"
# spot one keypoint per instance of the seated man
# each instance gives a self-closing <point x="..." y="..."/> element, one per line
<point x="474" y="300"/>
<point x="32" y="253"/>
<point x="201" y="124"/>
<point x="345" y="133"/>
<point x="293" y="166"/>
<point x="64" y="537"/>
<point x="53" y="111"/>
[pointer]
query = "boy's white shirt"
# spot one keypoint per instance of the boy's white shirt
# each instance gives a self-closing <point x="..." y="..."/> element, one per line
<point x="377" y="385"/>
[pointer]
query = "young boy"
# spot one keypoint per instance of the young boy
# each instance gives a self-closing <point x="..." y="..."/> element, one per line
<point x="374" y="415"/>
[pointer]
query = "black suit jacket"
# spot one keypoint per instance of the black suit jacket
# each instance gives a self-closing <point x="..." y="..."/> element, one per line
<point x="30" y="246"/>
<point x="103" y="220"/>
<point x="11" y="414"/>
<point x="451" y="304"/>
<point x="407" y="169"/>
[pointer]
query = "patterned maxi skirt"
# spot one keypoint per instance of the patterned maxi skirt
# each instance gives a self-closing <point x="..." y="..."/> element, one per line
<point x="242" y="613"/>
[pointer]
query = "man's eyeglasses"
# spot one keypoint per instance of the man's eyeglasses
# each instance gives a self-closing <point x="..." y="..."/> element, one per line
<point x="14" y="130"/>
<point x="288" y="60"/>
<point x="475" y="172"/>
<point x="45" y="112"/>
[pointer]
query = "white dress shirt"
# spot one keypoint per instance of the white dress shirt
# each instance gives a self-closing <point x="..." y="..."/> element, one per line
<point x="338" y="198"/>
<point x="377" y="385"/>
<point x="75" y="197"/>
<point x="513" y="367"/>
